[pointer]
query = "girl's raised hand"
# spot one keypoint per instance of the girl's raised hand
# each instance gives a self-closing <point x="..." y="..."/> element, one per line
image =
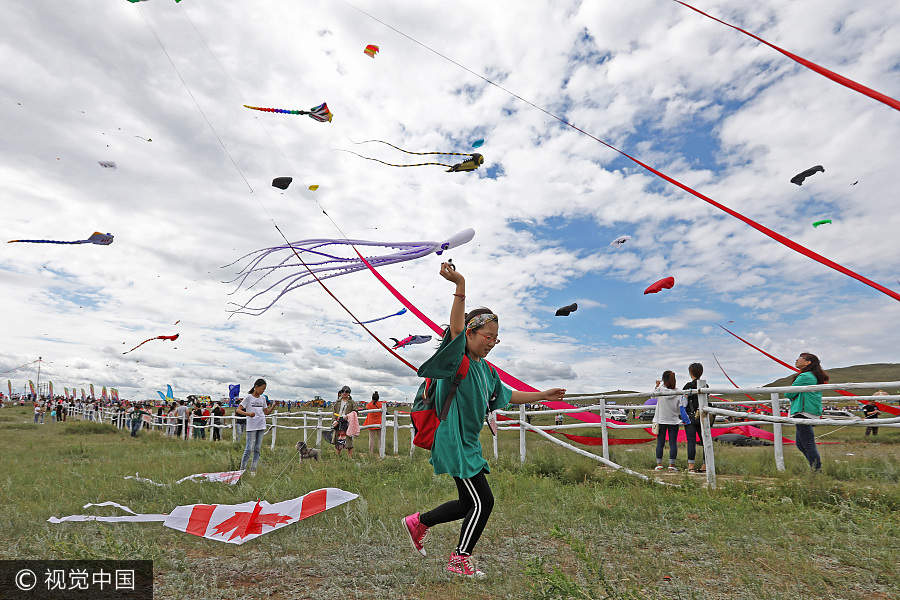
<point x="450" y="273"/>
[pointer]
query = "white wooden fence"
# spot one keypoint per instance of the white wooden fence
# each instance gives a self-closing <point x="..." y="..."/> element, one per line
<point x="320" y="420"/>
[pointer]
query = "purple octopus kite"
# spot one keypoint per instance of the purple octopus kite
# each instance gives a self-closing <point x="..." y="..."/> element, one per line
<point x="330" y="265"/>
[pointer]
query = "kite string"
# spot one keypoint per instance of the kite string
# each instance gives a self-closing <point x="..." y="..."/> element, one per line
<point x="191" y="94"/>
<point x="759" y="227"/>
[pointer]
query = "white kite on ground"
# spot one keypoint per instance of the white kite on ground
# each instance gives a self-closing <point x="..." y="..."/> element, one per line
<point x="230" y="477"/>
<point x="230" y="523"/>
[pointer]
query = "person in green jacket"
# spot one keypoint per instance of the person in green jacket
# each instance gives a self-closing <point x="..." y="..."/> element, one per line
<point x="457" y="444"/>
<point x="808" y="405"/>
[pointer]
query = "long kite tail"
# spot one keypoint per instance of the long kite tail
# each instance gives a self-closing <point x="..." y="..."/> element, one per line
<point x="411" y="152"/>
<point x="139" y="345"/>
<point x="721" y="368"/>
<point x="278" y="110"/>
<point x="335" y="298"/>
<point x="395" y="165"/>
<point x="853" y="85"/>
<point x="47" y="242"/>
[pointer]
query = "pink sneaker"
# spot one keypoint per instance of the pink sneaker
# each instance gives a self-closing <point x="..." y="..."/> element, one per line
<point x="461" y="564"/>
<point x="417" y="532"/>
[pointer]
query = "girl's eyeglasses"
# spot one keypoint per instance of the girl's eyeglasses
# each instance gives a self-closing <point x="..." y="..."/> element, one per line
<point x="491" y="339"/>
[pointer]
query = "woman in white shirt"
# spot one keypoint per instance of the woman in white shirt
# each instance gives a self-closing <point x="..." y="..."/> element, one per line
<point x="667" y="417"/>
<point x="255" y="408"/>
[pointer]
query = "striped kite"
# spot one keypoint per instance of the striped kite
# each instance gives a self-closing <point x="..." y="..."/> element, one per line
<point x="320" y="113"/>
<point x="101" y="239"/>
<point x="371" y="50"/>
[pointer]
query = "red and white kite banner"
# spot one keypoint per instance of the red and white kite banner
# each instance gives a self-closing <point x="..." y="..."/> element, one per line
<point x="229" y="477"/>
<point x="231" y="523"/>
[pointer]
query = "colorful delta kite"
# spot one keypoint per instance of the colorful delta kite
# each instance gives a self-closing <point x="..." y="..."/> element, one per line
<point x="800" y="177"/>
<point x="409" y="340"/>
<point x="229" y="523"/>
<point x="319" y="113"/>
<point x="396" y="314"/>
<point x="171" y="338"/>
<point x="620" y="241"/>
<point x="478" y="143"/>
<point x="822" y="222"/>
<point x="100" y="239"/>
<point x="282" y="183"/>
<point x="565" y="311"/>
<point x="281" y="259"/>
<point x="666" y="283"/>
<point x="473" y="161"/>
<point x="371" y="50"/>
<point x="169" y="396"/>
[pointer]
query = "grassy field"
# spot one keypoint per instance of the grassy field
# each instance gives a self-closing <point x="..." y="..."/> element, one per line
<point x="562" y="526"/>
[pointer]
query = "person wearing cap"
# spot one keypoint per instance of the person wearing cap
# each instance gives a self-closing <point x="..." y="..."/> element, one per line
<point x="343" y="407"/>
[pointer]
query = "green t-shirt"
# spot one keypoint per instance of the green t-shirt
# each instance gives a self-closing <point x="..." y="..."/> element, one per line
<point x="806" y="402"/>
<point x="457" y="442"/>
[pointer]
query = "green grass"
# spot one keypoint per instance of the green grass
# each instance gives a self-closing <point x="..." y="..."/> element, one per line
<point x="562" y="527"/>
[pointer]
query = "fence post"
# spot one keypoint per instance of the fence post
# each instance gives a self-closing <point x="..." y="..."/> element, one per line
<point x="274" y="429"/>
<point x="396" y="434"/>
<point x="382" y="432"/>
<point x="604" y="431"/>
<point x="496" y="453"/>
<point x="304" y="426"/>
<point x="412" y="437"/>
<point x="708" y="456"/>
<point x="776" y="429"/>
<point x="233" y="428"/>
<point x="522" y="434"/>
<point x="318" y="429"/>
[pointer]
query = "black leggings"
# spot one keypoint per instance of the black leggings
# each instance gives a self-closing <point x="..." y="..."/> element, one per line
<point x="474" y="507"/>
<point x="661" y="441"/>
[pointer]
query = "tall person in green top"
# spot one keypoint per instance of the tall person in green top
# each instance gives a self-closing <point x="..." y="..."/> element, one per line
<point x="808" y="405"/>
<point x="457" y="444"/>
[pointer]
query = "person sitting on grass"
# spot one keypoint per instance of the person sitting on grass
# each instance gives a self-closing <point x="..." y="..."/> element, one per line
<point x="457" y="445"/>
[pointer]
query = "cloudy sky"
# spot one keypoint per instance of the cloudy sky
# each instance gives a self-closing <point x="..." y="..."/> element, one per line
<point x="702" y="102"/>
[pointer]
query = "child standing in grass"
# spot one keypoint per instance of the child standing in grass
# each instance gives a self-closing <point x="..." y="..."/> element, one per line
<point x="667" y="417"/>
<point x="692" y="430"/>
<point x="808" y="405"/>
<point x="457" y="445"/>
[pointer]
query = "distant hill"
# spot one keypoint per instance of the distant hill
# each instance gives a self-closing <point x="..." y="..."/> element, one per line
<point x="855" y="373"/>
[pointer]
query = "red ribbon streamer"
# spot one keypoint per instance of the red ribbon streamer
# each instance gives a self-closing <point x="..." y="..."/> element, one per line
<point x="876" y="95"/>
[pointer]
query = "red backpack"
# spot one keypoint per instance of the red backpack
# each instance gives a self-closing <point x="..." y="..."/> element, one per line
<point x="425" y="419"/>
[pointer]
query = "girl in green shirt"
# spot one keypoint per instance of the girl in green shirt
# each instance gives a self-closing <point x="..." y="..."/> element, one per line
<point x="808" y="405"/>
<point x="457" y="444"/>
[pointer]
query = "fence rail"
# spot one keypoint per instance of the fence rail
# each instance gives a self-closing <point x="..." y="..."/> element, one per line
<point x="320" y="420"/>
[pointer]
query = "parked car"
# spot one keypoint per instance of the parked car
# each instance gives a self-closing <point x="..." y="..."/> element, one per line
<point x="618" y="414"/>
<point x="646" y="415"/>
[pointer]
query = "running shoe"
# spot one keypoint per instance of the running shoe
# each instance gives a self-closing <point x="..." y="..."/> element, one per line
<point x="673" y="468"/>
<point x="658" y="468"/>
<point x="417" y="532"/>
<point x="461" y="564"/>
